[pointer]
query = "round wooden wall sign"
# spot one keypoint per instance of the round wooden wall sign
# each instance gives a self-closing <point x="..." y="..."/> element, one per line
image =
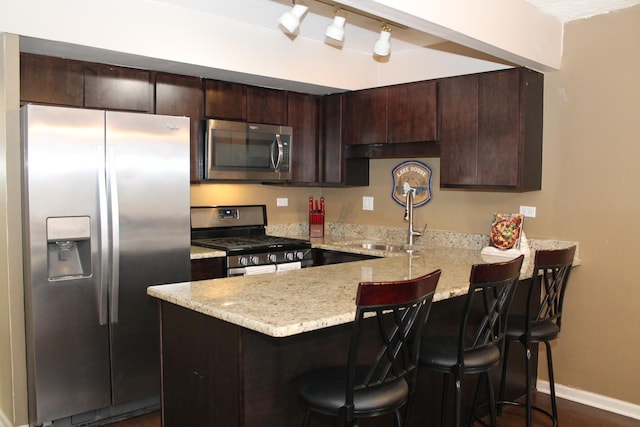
<point x="414" y="176"/>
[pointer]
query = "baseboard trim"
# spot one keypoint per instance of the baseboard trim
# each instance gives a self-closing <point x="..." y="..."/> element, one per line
<point x="592" y="399"/>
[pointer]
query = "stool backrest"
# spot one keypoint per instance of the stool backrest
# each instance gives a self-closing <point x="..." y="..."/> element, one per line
<point x="551" y="271"/>
<point x="401" y="309"/>
<point x="491" y="290"/>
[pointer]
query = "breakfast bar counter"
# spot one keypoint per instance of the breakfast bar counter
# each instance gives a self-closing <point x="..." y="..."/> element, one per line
<point x="232" y="348"/>
<point x="291" y="302"/>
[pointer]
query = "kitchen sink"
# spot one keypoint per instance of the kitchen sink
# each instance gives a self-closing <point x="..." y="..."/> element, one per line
<point x="383" y="247"/>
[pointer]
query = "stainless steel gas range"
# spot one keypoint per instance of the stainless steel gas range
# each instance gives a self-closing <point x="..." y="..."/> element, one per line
<point x="240" y="231"/>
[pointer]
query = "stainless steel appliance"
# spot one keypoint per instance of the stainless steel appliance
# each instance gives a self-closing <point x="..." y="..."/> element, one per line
<point x="240" y="232"/>
<point x="106" y="214"/>
<point x="238" y="151"/>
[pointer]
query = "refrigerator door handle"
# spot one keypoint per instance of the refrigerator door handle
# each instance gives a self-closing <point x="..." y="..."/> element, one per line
<point x="103" y="305"/>
<point x="115" y="236"/>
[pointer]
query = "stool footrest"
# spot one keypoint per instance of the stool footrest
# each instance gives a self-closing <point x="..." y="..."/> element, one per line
<point x="500" y="404"/>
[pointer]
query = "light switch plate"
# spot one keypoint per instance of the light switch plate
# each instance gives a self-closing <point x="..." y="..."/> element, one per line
<point x="282" y="201"/>
<point x="367" y="203"/>
<point x="528" y="211"/>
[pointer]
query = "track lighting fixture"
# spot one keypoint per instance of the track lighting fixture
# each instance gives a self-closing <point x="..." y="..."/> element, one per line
<point x="382" y="46"/>
<point x="291" y="20"/>
<point x="335" y="31"/>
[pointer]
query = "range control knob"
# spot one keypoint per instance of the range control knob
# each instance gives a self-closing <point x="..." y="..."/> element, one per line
<point x="243" y="260"/>
<point x="289" y="256"/>
<point x="255" y="260"/>
<point x="272" y="258"/>
<point x="300" y="255"/>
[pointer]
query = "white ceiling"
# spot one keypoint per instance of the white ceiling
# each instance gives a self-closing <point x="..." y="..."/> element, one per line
<point x="361" y="32"/>
<point x="570" y="10"/>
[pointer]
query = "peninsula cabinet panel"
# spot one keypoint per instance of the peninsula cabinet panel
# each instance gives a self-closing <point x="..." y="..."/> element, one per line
<point x="303" y="118"/>
<point x="365" y="116"/>
<point x="225" y="100"/>
<point x="117" y="88"/>
<point x="491" y="130"/>
<point x="49" y="80"/>
<point x="183" y="96"/>
<point x="412" y="112"/>
<point x="266" y="105"/>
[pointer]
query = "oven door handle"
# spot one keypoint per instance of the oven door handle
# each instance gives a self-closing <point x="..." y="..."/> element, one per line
<point x="254" y="269"/>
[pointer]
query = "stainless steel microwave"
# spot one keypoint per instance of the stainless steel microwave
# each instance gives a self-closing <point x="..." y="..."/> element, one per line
<point x="237" y="151"/>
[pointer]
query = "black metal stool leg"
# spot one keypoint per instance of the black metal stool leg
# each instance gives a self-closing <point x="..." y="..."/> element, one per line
<point x="528" y="394"/>
<point x="458" y="384"/>
<point x="503" y="378"/>
<point x="552" y="385"/>
<point x="492" y="400"/>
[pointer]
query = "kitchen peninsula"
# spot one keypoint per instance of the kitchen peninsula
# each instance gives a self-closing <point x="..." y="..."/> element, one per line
<point x="232" y="348"/>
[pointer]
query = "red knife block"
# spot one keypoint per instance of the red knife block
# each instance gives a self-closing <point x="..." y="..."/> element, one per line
<point x="316" y="218"/>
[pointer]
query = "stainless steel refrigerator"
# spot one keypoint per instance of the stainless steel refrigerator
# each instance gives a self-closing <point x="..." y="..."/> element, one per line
<point x="106" y="214"/>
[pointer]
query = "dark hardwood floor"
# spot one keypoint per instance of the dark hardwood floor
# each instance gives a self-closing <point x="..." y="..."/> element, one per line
<point x="571" y="415"/>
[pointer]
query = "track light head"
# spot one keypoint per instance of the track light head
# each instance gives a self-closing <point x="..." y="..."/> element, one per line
<point x="382" y="46"/>
<point x="290" y="20"/>
<point x="335" y="31"/>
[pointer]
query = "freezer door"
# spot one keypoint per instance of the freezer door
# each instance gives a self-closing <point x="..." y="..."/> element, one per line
<point x="148" y="182"/>
<point x="67" y="343"/>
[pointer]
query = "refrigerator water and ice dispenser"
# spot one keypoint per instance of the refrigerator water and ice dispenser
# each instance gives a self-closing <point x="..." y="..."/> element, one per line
<point x="68" y="247"/>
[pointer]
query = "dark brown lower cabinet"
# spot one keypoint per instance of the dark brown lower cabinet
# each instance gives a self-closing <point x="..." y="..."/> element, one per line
<point x="215" y="373"/>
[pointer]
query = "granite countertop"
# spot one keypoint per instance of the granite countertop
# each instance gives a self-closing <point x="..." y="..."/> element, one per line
<point x="291" y="302"/>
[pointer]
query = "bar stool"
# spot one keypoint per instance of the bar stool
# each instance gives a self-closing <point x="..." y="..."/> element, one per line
<point x="478" y="345"/>
<point x="382" y="382"/>
<point x="541" y="322"/>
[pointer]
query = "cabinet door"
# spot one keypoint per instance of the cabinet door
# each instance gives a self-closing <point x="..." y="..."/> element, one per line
<point x="335" y="169"/>
<point x="366" y="116"/>
<point x="49" y="80"/>
<point x="117" y="88"/>
<point x="266" y="105"/>
<point x="412" y="112"/>
<point x="303" y="118"/>
<point x="458" y="106"/>
<point x="498" y="128"/>
<point x="225" y="100"/>
<point x="182" y="96"/>
<point x="491" y="130"/>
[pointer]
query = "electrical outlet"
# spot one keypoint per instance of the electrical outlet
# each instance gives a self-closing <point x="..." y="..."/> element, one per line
<point x="367" y="203"/>
<point x="528" y="211"/>
<point x="282" y="201"/>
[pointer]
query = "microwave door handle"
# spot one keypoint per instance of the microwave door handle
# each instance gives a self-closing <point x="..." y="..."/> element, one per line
<point x="276" y="162"/>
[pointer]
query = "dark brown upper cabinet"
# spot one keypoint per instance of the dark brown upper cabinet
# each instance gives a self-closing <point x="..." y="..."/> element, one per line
<point x="365" y="116"/>
<point x="491" y="130"/>
<point x="236" y="101"/>
<point x="49" y="80"/>
<point x="412" y="112"/>
<point x="183" y="96"/>
<point x="266" y="105"/>
<point x="225" y="100"/>
<point x="392" y="114"/>
<point x="335" y="168"/>
<point x="303" y="118"/>
<point x="117" y="88"/>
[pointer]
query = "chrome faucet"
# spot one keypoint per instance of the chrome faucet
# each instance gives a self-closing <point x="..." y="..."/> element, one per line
<point x="408" y="214"/>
